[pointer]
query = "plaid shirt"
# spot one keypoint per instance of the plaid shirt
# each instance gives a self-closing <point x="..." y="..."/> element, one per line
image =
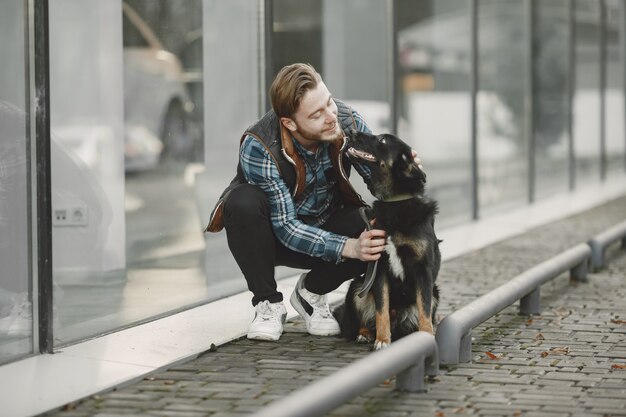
<point x="319" y="198"/>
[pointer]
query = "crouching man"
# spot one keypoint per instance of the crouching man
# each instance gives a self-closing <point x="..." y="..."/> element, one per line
<point x="291" y="204"/>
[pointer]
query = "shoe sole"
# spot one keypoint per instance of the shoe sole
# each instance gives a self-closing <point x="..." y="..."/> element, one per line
<point x="297" y="305"/>
<point x="263" y="336"/>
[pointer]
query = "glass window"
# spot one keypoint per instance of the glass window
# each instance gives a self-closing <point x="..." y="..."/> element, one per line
<point x="614" y="95"/>
<point x="501" y="119"/>
<point x="134" y="176"/>
<point x="587" y="92"/>
<point x="15" y="283"/>
<point x="434" y="99"/>
<point x="551" y="47"/>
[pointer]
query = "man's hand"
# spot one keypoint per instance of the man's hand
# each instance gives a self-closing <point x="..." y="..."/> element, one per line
<point x="416" y="159"/>
<point x="367" y="247"/>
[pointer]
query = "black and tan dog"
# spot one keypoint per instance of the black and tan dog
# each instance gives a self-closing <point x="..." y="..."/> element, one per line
<point x="403" y="296"/>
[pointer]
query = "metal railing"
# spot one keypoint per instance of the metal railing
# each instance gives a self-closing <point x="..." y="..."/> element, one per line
<point x="600" y="242"/>
<point x="410" y="358"/>
<point x="454" y="336"/>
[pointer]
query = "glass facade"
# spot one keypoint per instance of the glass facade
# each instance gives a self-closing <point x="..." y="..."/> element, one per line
<point x="434" y="107"/>
<point x="551" y="80"/>
<point x="614" y="93"/>
<point x="587" y="97"/>
<point x="148" y="106"/>
<point x="502" y="139"/>
<point x="16" y="300"/>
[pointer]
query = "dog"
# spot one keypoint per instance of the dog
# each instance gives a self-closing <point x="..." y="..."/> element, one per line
<point x="403" y="297"/>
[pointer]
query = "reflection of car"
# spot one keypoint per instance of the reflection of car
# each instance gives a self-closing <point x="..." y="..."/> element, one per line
<point x="157" y="107"/>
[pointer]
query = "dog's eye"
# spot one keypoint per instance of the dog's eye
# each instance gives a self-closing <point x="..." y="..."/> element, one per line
<point x="383" y="141"/>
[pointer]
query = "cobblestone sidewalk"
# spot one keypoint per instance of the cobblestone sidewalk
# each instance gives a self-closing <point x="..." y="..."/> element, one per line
<point x="568" y="361"/>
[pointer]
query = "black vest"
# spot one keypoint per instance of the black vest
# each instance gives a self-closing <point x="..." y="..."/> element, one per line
<point x="268" y="131"/>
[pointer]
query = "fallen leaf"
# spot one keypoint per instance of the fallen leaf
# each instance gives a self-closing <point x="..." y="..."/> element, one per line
<point x="169" y="382"/>
<point x="539" y="336"/>
<point x="617" y="366"/>
<point x="492" y="355"/>
<point x="556" y="351"/>
<point x="529" y="322"/>
<point x="440" y="414"/>
<point x="616" y="321"/>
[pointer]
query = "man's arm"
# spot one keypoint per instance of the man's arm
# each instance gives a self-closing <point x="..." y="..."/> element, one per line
<point x="260" y="169"/>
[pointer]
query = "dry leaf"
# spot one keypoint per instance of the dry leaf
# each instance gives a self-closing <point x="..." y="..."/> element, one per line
<point x="617" y="366"/>
<point x="169" y="382"/>
<point x="529" y="322"/>
<point x="539" y="336"/>
<point x="440" y="414"/>
<point x="492" y="356"/>
<point x="616" y="321"/>
<point x="556" y="351"/>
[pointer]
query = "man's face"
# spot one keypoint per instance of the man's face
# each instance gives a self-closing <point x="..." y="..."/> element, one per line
<point x="316" y="117"/>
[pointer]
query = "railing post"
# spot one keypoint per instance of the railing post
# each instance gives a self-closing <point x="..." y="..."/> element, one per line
<point x="411" y="379"/>
<point x="531" y="303"/>
<point x="579" y="272"/>
<point x="597" y="255"/>
<point x="465" y="348"/>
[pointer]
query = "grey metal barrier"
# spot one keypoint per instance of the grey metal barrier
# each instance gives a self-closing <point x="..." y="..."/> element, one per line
<point x="454" y="333"/>
<point x="410" y="358"/>
<point x="599" y="243"/>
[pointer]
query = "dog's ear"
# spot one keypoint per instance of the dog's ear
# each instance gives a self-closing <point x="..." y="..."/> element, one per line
<point x="408" y="168"/>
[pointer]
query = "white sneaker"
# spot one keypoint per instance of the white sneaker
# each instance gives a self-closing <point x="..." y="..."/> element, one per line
<point x="314" y="309"/>
<point x="268" y="321"/>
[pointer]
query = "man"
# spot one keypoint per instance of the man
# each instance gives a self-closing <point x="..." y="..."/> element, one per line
<point x="291" y="204"/>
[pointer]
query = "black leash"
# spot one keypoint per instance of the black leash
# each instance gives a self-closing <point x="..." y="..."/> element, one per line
<point x="370" y="274"/>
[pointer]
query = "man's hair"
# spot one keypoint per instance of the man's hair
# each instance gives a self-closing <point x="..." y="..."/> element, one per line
<point x="291" y="84"/>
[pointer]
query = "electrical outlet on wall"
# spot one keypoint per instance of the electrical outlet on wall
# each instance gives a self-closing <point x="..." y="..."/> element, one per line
<point x="76" y="216"/>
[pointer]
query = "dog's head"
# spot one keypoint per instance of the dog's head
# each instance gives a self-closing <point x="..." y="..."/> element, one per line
<point x="394" y="171"/>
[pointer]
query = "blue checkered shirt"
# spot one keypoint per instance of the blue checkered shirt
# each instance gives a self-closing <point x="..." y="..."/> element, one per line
<point x="318" y="200"/>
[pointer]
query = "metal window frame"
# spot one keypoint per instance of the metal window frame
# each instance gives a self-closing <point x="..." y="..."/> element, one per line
<point x="474" y="86"/>
<point x="40" y="171"/>
<point x="602" y="88"/>
<point x="571" y="93"/>
<point x="529" y="100"/>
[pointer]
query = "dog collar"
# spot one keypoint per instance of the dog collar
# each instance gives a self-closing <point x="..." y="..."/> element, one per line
<point x="399" y="197"/>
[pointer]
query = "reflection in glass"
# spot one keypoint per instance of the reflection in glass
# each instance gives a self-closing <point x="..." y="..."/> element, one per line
<point x="434" y="99"/>
<point x="126" y="142"/>
<point x="587" y="92"/>
<point x="502" y="144"/>
<point x="551" y="75"/>
<point x="16" y="301"/>
<point x="614" y="95"/>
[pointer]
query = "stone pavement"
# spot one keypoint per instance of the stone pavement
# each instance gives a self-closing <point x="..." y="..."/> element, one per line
<point x="568" y="361"/>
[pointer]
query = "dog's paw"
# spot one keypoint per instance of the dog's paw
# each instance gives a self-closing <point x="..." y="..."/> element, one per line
<point x="380" y="344"/>
<point x="363" y="339"/>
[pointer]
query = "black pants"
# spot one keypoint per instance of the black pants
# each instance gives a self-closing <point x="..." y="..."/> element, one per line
<point x="257" y="250"/>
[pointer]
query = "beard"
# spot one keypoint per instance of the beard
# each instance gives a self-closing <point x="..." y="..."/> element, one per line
<point x="327" y="135"/>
